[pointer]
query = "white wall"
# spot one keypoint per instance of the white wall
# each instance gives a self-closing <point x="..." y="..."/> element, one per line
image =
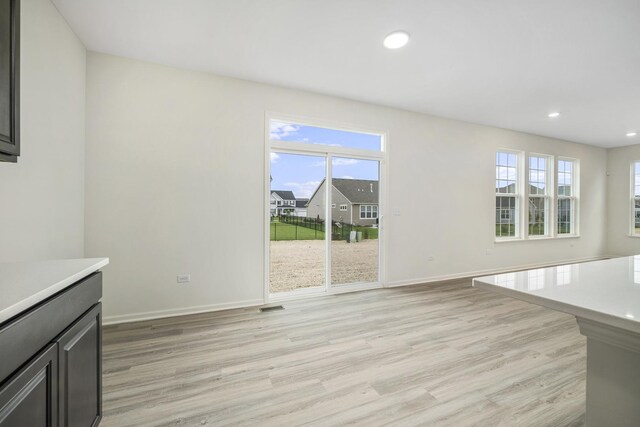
<point x="42" y="196"/>
<point x="175" y="169"/>
<point x="618" y="201"/>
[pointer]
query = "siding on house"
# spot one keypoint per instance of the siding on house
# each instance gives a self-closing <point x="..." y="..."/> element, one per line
<point x="356" y="189"/>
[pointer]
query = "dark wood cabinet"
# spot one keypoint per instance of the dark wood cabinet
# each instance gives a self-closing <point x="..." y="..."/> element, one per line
<point x="30" y="398"/>
<point x="80" y="371"/>
<point x="51" y="360"/>
<point x="9" y="80"/>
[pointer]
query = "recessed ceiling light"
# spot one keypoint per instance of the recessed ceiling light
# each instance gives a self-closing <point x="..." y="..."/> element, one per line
<point x="553" y="115"/>
<point x="396" y="40"/>
<point x="630" y="134"/>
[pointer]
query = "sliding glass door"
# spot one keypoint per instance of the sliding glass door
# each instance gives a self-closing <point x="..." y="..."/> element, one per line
<point x="325" y="210"/>
<point x="355" y="203"/>
<point x="297" y="253"/>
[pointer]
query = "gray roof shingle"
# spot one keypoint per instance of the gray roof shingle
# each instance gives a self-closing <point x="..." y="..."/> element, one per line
<point x="285" y="194"/>
<point x="358" y="191"/>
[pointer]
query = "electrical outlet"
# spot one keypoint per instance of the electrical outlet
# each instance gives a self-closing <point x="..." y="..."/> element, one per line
<point x="183" y="278"/>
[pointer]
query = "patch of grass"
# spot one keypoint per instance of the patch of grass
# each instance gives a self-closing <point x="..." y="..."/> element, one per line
<point x="283" y="231"/>
<point x="505" y="230"/>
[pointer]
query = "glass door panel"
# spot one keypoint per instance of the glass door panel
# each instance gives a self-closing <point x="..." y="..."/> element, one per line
<point x="297" y="248"/>
<point x="355" y="201"/>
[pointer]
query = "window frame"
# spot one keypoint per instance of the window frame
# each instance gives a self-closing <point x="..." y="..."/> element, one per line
<point x="371" y="211"/>
<point x="344" y="207"/>
<point x="548" y="196"/>
<point x="552" y="196"/>
<point x="518" y="195"/>
<point x="574" y="198"/>
<point x="632" y="199"/>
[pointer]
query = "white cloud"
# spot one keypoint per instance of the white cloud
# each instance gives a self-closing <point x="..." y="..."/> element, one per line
<point x="339" y="161"/>
<point x="280" y="130"/>
<point x="347" y="177"/>
<point x="303" y="189"/>
<point x="274" y="157"/>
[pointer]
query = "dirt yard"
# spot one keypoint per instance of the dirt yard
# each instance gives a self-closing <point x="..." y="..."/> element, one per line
<point x="300" y="263"/>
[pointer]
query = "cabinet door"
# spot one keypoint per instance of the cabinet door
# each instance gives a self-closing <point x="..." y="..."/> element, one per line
<point x="80" y="355"/>
<point x="30" y="397"/>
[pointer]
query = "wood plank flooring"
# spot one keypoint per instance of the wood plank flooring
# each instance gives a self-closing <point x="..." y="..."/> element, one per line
<point x="438" y="354"/>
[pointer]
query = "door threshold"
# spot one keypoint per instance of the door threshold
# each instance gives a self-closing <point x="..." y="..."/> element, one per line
<point x="304" y="294"/>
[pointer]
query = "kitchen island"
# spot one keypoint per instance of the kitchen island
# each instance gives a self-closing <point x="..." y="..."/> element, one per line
<point x="50" y="343"/>
<point x="604" y="296"/>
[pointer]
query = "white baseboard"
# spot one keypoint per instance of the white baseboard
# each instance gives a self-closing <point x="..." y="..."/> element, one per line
<point x="470" y="274"/>
<point x="150" y="315"/>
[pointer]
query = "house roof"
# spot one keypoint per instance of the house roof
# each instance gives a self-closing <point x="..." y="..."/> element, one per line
<point x="301" y="203"/>
<point x="358" y="191"/>
<point x="284" y="194"/>
<point x="532" y="189"/>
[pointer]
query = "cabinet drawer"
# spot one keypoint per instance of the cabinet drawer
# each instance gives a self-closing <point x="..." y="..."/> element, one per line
<point x="30" y="397"/>
<point x="27" y="334"/>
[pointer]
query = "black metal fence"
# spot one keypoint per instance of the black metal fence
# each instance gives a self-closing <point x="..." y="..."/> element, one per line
<point x="339" y="230"/>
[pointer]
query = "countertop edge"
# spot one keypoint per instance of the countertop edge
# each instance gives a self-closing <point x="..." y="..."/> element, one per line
<point x="54" y="288"/>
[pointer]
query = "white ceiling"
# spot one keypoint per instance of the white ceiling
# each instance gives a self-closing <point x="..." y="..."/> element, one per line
<point x="504" y="63"/>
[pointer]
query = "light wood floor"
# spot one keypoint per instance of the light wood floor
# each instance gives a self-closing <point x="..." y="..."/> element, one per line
<point x="444" y="354"/>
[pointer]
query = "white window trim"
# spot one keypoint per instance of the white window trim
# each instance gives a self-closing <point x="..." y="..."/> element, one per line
<point x="632" y="200"/>
<point x="522" y="222"/>
<point x="575" y="198"/>
<point x="365" y="211"/>
<point x="548" y="196"/>
<point x="518" y="196"/>
<point x="343" y="207"/>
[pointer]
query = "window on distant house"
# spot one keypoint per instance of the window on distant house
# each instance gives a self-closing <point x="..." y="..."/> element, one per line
<point x="567" y="196"/>
<point x="333" y="206"/>
<point x="507" y="195"/>
<point x="368" y="211"/>
<point x="539" y="195"/>
<point x="343" y="207"/>
<point x="635" y="199"/>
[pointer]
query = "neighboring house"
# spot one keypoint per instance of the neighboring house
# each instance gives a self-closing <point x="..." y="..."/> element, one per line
<point x="284" y="202"/>
<point x="354" y="201"/>
<point x="505" y="205"/>
<point x="301" y="207"/>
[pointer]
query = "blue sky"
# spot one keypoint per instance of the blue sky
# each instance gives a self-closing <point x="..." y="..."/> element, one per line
<point x="302" y="174"/>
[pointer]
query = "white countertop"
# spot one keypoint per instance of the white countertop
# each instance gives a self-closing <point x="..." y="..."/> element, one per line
<point x="24" y="284"/>
<point x="605" y="291"/>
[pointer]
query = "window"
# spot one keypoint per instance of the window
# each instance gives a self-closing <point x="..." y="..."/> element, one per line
<point x="305" y="134"/>
<point x="635" y="199"/>
<point x="368" y="211"/>
<point x="507" y="194"/>
<point x="567" y="196"/>
<point x="343" y="207"/>
<point x="538" y="195"/>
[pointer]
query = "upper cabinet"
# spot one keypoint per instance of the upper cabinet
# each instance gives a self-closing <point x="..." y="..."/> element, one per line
<point x="9" y="80"/>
